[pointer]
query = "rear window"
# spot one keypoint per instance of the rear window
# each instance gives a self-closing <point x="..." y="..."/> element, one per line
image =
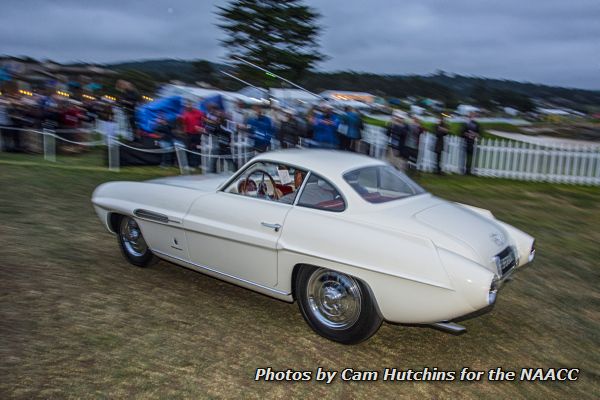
<point x="382" y="183"/>
<point x="320" y="194"/>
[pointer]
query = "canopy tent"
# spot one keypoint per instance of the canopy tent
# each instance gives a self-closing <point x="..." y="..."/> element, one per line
<point x="196" y="93"/>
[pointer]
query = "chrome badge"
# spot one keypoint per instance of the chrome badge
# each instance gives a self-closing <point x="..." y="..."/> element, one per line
<point x="497" y="238"/>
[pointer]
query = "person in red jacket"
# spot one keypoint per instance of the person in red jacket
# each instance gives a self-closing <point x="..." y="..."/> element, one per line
<point x="193" y="126"/>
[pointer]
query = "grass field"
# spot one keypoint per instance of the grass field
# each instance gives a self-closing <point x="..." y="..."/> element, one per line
<point x="76" y="321"/>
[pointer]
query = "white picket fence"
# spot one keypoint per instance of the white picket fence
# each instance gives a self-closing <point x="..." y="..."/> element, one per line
<point x="377" y="139"/>
<point x="500" y="158"/>
<point x="525" y="161"/>
<point x="453" y="155"/>
<point x="496" y="158"/>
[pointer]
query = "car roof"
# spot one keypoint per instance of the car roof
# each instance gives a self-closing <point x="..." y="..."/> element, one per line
<point x="330" y="164"/>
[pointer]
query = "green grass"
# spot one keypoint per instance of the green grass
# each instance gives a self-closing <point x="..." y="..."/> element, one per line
<point x="76" y="321"/>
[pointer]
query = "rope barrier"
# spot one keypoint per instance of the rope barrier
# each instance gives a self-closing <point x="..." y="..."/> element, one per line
<point x="116" y="142"/>
<point x="155" y="151"/>
<point x="241" y="155"/>
<point x="82" y="130"/>
<point x="87" y="144"/>
<point x="48" y="133"/>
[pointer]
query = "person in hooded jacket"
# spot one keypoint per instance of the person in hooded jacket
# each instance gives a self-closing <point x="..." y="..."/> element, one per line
<point x="350" y="129"/>
<point x="260" y="128"/>
<point x="325" y="129"/>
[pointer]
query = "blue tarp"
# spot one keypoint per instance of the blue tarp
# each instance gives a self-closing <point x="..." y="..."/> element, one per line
<point x="4" y="75"/>
<point x="170" y="108"/>
<point x="147" y="114"/>
<point x="216" y="100"/>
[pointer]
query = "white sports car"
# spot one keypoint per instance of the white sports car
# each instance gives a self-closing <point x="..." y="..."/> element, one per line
<point x="352" y="239"/>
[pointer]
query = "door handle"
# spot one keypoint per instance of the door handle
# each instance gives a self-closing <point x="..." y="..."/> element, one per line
<point x="276" y="227"/>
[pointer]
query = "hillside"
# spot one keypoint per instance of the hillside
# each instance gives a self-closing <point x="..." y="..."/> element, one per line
<point x="449" y="88"/>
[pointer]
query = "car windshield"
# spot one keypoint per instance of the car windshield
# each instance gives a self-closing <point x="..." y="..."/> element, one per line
<point x="382" y="183"/>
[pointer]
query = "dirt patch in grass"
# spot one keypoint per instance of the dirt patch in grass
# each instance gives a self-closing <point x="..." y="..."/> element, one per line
<point x="76" y="321"/>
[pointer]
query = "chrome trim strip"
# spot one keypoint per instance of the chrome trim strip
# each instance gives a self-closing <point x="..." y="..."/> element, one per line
<point x="204" y="267"/>
<point x="151" y="215"/>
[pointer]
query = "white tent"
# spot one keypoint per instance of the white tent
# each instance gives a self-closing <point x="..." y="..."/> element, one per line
<point x="466" y="109"/>
<point x="196" y="93"/>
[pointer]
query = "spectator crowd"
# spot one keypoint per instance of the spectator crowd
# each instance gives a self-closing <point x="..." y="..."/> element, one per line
<point x="320" y="126"/>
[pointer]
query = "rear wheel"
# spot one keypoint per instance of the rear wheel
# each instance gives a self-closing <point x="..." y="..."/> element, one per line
<point x="336" y="306"/>
<point x="132" y="243"/>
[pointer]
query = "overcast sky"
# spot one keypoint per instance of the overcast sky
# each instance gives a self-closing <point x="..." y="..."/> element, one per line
<point x="547" y="41"/>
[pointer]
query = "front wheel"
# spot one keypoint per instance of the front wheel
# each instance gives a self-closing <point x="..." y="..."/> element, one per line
<point x="336" y="306"/>
<point x="132" y="243"/>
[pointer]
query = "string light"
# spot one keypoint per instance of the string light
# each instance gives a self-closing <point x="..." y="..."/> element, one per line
<point x="87" y="96"/>
<point x="62" y="93"/>
<point x="26" y="92"/>
<point x="147" y="98"/>
<point x="108" y="97"/>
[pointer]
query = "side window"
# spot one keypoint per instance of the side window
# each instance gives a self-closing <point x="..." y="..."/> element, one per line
<point x="269" y="181"/>
<point x="320" y="194"/>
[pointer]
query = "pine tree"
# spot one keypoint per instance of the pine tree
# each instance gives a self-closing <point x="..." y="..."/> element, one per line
<point x="280" y="36"/>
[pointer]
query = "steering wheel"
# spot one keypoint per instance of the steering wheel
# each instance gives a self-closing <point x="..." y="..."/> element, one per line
<point x="262" y="190"/>
<point x="246" y="186"/>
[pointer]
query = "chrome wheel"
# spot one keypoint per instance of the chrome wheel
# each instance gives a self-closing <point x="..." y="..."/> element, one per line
<point x="334" y="298"/>
<point x="133" y="241"/>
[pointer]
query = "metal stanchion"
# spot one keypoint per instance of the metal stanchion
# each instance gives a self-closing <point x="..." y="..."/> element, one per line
<point x="49" y="145"/>
<point x="113" y="154"/>
<point x="182" y="159"/>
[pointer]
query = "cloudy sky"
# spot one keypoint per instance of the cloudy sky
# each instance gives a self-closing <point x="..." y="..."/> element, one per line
<point x="547" y="41"/>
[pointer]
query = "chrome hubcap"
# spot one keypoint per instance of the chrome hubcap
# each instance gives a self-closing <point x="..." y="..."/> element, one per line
<point x="334" y="298"/>
<point x="132" y="237"/>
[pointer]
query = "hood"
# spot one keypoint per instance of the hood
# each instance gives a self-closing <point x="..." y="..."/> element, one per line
<point x="203" y="183"/>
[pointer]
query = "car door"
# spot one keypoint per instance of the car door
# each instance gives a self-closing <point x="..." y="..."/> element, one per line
<point x="236" y="235"/>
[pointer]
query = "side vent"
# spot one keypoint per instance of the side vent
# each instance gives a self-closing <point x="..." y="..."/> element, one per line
<point x="151" y="215"/>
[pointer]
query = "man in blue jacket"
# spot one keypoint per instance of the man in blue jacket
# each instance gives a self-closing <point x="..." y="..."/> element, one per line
<point x="261" y="130"/>
<point x="325" y="129"/>
<point x="350" y="129"/>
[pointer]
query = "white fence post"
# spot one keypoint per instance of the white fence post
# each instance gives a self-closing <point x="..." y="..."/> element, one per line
<point x="453" y="159"/>
<point x="113" y="154"/>
<point x="206" y="151"/>
<point x="182" y="160"/>
<point x="49" y="145"/>
<point x="240" y="147"/>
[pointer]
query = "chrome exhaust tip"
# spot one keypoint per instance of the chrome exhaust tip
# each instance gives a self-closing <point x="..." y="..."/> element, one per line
<point x="449" y="327"/>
